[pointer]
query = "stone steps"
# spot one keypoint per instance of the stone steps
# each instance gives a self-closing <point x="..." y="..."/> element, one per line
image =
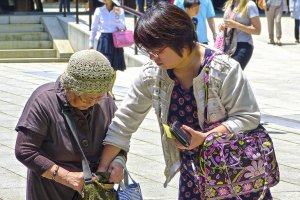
<point x="32" y="60"/>
<point x="33" y="39"/>
<point x="17" y="28"/>
<point x="24" y="36"/>
<point x="28" y="53"/>
<point x="26" y="45"/>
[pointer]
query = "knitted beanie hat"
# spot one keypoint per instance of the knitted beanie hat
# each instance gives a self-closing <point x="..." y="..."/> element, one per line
<point x="88" y="72"/>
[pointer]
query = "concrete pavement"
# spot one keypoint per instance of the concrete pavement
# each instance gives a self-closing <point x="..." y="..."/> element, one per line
<point x="274" y="75"/>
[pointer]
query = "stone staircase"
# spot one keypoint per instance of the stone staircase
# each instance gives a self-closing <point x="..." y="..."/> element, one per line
<point x="29" y="39"/>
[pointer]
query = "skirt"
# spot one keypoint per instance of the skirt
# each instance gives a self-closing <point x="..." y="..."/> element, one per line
<point x="113" y="54"/>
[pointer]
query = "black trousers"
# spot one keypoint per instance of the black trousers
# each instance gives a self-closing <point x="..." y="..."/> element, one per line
<point x="243" y="53"/>
<point x="297" y="24"/>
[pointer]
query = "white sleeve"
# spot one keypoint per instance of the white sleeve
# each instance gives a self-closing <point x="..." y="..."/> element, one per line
<point x="120" y="21"/>
<point x="95" y="27"/>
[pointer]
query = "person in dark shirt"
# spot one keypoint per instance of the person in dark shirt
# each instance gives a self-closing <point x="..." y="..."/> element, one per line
<point x="44" y="143"/>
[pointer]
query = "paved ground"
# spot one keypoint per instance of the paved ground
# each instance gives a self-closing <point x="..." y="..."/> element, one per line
<point x="274" y="75"/>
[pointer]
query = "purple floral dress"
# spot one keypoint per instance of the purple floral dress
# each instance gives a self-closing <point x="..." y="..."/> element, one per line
<point x="183" y="108"/>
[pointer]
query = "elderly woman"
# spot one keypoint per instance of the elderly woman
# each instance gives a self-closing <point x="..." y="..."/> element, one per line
<point x="176" y="83"/>
<point x="44" y="143"/>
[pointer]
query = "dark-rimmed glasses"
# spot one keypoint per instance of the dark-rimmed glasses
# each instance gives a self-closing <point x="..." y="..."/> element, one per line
<point x="152" y="53"/>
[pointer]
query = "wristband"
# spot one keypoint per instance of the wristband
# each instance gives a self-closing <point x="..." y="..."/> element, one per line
<point x="55" y="172"/>
<point x="121" y="160"/>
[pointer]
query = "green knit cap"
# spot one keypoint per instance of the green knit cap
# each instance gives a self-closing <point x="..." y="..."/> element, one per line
<point x="88" y="72"/>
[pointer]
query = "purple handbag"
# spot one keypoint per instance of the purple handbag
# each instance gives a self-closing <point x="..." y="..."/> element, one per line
<point x="123" y="38"/>
<point x="237" y="163"/>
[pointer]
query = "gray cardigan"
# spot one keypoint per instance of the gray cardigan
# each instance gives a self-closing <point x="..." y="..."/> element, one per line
<point x="230" y="98"/>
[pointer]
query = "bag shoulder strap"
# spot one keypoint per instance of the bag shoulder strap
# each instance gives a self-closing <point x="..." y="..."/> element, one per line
<point x="66" y="110"/>
<point x="206" y="67"/>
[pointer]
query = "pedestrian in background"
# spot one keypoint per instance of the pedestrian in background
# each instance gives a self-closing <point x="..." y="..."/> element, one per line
<point x="273" y="10"/>
<point x="45" y="142"/>
<point x="64" y="3"/>
<point x="141" y="5"/>
<point x="173" y="83"/>
<point x="38" y="5"/>
<point x="295" y="13"/>
<point x="107" y="19"/>
<point x="192" y="8"/>
<point x="242" y="16"/>
<point x="206" y="13"/>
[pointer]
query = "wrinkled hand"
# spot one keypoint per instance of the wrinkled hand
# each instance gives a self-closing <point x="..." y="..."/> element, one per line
<point x="229" y="23"/>
<point x="116" y="172"/>
<point x="197" y="138"/>
<point x="75" y="181"/>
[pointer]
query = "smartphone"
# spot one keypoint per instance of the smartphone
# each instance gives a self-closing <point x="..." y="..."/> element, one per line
<point x="181" y="135"/>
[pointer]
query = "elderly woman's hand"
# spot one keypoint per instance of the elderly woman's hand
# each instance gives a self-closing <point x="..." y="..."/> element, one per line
<point x="75" y="180"/>
<point x="117" y="172"/>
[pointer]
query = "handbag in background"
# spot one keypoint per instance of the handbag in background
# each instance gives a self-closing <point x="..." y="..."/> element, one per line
<point x="129" y="191"/>
<point x="219" y="42"/>
<point x="226" y="41"/>
<point x="123" y="38"/>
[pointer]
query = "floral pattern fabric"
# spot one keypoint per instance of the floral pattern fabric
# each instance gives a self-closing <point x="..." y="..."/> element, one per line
<point x="183" y="108"/>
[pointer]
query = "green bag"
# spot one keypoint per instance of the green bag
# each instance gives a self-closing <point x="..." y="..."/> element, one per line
<point x="100" y="188"/>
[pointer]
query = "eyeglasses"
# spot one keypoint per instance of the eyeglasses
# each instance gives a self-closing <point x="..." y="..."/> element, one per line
<point x="90" y="99"/>
<point x="153" y="54"/>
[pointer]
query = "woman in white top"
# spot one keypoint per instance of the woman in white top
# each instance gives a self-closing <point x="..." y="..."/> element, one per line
<point x="107" y="19"/>
<point x="295" y="13"/>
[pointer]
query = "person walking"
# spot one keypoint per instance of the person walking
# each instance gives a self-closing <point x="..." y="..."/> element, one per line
<point x="206" y="13"/>
<point x="107" y="19"/>
<point x="295" y="13"/>
<point x="173" y="83"/>
<point x="141" y="5"/>
<point x="45" y="143"/>
<point x="273" y="10"/>
<point x="38" y="5"/>
<point x="65" y="3"/>
<point x="241" y="20"/>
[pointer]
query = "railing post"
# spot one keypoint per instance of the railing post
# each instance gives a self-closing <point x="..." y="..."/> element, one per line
<point x="135" y="47"/>
<point x="136" y="14"/>
<point x="90" y="13"/>
<point x="64" y="8"/>
<point x="77" y="15"/>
